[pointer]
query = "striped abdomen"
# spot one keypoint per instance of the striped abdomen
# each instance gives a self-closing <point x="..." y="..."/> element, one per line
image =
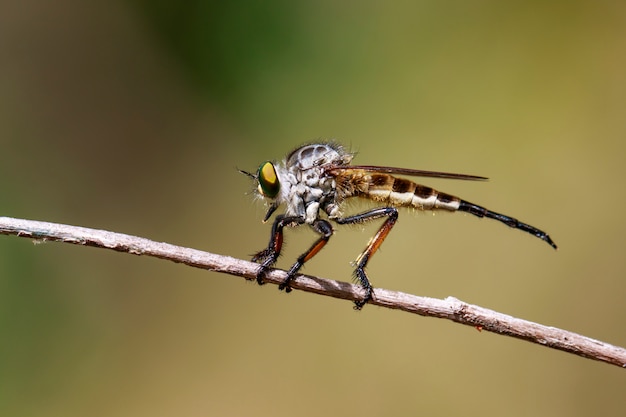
<point x="402" y="192"/>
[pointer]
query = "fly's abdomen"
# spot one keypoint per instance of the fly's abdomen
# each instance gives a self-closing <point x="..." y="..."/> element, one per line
<point x="402" y="192"/>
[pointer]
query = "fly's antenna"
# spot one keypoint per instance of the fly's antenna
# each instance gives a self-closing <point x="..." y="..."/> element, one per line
<point x="254" y="177"/>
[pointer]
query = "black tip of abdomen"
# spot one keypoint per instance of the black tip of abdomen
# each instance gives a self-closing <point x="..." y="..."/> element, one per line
<point x="479" y="211"/>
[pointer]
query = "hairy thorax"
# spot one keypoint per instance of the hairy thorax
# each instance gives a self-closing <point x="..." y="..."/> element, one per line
<point x="307" y="186"/>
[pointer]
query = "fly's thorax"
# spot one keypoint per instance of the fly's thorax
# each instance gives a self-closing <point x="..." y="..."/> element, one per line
<point x="316" y="155"/>
<point x="308" y="191"/>
<point x="310" y="187"/>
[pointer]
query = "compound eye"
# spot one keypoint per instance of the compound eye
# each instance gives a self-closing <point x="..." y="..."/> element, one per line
<point x="268" y="180"/>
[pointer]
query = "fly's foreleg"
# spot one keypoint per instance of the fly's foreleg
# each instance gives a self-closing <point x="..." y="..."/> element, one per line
<point x="326" y="230"/>
<point x="392" y="216"/>
<point x="267" y="257"/>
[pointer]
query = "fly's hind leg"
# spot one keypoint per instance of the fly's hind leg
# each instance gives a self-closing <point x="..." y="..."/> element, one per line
<point x="268" y="256"/>
<point x="326" y="230"/>
<point x="392" y="216"/>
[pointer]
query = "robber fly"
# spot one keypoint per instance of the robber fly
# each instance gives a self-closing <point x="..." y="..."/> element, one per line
<point x="318" y="178"/>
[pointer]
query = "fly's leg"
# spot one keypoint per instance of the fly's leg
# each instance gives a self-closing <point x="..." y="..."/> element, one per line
<point x="326" y="230"/>
<point x="392" y="216"/>
<point x="267" y="257"/>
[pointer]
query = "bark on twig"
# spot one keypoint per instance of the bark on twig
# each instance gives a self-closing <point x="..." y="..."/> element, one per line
<point x="450" y="308"/>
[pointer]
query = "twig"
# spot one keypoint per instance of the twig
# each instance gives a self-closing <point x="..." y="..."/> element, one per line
<point x="450" y="308"/>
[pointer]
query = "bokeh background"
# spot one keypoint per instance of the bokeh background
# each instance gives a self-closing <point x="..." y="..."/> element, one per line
<point x="132" y="116"/>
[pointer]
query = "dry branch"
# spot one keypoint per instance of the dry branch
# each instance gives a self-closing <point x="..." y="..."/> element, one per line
<point x="450" y="308"/>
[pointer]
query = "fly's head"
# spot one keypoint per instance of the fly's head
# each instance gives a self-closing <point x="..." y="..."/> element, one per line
<point x="268" y="185"/>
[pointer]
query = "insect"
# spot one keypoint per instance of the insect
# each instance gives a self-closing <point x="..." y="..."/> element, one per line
<point x="316" y="179"/>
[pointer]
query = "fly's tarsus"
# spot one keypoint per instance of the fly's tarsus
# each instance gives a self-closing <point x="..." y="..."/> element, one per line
<point x="360" y="275"/>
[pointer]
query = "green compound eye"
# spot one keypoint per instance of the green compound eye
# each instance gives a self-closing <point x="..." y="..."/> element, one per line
<point x="268" y="180"/>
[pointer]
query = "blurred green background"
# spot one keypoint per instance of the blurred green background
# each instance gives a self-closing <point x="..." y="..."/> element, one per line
<point x="133" y="117"/>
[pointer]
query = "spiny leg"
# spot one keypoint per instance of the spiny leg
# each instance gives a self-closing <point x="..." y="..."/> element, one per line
<point x="267" y="257"/>
<point x="479" y="211"/>
<point x="326" y="230"/>
<point x="392" y="215"/>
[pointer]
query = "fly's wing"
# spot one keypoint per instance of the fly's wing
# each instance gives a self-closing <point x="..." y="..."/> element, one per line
<point x="408" y="171"/>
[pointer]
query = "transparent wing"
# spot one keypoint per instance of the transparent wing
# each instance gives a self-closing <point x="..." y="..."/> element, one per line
<point x="408" y="171"/>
